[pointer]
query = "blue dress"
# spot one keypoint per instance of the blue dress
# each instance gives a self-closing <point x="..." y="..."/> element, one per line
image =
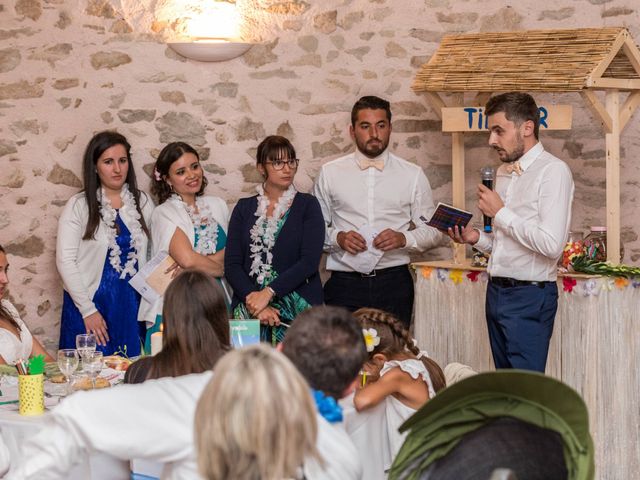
<point x="116" y="301"/>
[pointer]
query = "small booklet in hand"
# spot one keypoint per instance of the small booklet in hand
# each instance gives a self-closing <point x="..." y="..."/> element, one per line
<point x="446" y="217"/>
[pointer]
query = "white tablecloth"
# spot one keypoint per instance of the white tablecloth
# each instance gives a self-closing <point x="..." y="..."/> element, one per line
<point x="15" y="429"/>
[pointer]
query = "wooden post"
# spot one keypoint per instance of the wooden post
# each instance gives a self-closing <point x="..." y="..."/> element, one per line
<point x="612" y="145"/>
<point x="457" y="178"/>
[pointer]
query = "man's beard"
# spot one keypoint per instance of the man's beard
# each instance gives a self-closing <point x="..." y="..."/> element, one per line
<point x="371" y="151"/>
<point x="516" y="153"/>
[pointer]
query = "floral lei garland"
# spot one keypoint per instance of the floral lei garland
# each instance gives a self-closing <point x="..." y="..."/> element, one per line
<point x="108" y="214"/>
<point x="264" y="230"/>
<point x="208" y="236"/>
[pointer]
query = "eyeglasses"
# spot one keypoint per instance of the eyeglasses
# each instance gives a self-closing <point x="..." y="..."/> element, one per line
<point x="292" y="163"/>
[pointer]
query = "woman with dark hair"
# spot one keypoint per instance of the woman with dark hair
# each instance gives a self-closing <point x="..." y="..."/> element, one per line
<point x="188" y="225"/>
<point x="275" y="244"/>
<point x="16" y="341"/>
<point x="102" y="241"/>
<point x="196" y="330"/>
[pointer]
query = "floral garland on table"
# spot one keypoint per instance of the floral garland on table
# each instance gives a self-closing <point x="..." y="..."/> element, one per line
<point x="585" y="287"/>
<point x="263" y="232"/>
<point x="207" y="237"/>
<point x="108" y="214"/>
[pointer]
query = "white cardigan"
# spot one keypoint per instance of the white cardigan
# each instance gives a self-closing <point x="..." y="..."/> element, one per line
<point x="166" y="219"/>
<point x="80" y="262"/>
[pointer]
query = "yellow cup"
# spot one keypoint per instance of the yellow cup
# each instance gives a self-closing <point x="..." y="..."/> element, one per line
<point x="31" y="394"/>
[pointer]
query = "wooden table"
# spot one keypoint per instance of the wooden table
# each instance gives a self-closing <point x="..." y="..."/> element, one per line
<point x="595" y="347"/>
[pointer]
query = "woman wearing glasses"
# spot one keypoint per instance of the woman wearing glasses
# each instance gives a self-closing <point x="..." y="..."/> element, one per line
<point x="274" y="245"/>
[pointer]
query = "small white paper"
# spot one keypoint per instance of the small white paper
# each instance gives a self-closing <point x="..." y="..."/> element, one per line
<point x="364" y="262"/>
<point x="151" y="280"/>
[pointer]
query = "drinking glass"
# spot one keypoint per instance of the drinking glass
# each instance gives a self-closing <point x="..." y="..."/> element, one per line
<point x="93" y="365"/>
<point x="67" y="363"/>
<point x="85" y="344"/>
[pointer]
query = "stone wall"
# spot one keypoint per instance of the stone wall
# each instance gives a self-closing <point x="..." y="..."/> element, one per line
<point x="69" y="68"/>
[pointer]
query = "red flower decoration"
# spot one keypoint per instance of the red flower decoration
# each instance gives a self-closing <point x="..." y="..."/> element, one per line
<point x="568" y="283"/>
<point x="473" y="275"/>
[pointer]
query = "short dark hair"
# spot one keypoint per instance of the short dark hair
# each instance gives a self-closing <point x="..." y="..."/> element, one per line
<point x="370" y="102"/>
<point x="518" y="107"/>
<point x="326" y="345"/>
<point x="274" y="147"/>
<point x="169" y="154"/>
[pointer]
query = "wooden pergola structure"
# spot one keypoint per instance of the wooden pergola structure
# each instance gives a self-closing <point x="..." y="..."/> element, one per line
<point x="583" y="60"/>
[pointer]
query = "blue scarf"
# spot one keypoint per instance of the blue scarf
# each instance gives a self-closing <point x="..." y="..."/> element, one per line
<point x="327" y="406"/>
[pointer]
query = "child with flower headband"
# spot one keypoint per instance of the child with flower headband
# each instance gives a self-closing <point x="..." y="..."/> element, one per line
<point x="397" y="379"/>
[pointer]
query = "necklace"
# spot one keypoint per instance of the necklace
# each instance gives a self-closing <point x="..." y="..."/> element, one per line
<point x="203" y="221"/>
<point x="264" y="230"/>
<point x="108" y="214"/>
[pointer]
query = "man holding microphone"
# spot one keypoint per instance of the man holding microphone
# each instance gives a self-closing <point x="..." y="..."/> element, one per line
<point x="531" y="211"/>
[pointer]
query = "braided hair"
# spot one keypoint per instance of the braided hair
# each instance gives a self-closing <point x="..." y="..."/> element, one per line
<point x="396" y="340"/>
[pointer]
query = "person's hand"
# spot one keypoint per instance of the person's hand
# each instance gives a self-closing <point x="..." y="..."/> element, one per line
<point x="468" y="235"/>
<point x="174" y="269"/>
<point x="258" y="301"/>
<point x="389" y="240"/>
<point x="95" y="324"/>
<point x="351" y="242"/>
<point x="269" y="316"/>
<point x="489" y="201"/>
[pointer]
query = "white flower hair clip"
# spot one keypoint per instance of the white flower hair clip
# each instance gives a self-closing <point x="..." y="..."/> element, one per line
<point x="156" y="174"/>
<point x="371" y="338"/>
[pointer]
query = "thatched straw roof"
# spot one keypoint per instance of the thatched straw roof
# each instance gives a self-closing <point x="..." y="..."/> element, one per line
<point x="533" y="60"/>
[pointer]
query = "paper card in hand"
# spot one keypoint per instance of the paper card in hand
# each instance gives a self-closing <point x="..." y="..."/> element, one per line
<point x="244" y="332"/>
<point x="153" y="279"/>
<point x="447" y="216"/>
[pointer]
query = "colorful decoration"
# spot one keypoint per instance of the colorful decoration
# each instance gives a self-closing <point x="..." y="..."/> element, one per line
<point x="621" y="282"/>
<point x="456" y="276"/>
<point x="571" y="251"/>
<point x="473" y="275"/>
<point x="426" y="272"/>
<point x="568" y="283"/>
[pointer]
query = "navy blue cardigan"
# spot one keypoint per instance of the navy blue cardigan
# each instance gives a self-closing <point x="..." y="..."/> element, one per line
<point x="296" y="253"/>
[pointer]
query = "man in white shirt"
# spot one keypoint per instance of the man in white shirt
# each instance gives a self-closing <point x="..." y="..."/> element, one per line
<point x="372" y="190"/>
<point x="531" y="210"/>
<point x="154" y="420"/>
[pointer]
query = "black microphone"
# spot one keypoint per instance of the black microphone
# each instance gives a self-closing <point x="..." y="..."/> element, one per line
<point x="488" y="174"/>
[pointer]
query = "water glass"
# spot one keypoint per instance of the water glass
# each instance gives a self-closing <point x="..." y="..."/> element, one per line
<point x="67" y="363"/>
<point x="92" y="363"/>
<point x="85" y="344"/>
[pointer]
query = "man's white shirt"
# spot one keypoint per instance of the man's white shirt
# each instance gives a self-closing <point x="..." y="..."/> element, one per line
<point x="394" y="198"/>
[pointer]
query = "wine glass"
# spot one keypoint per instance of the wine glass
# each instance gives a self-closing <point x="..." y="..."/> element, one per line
<point x="67" y="363"/>
<point x="85" y="344"/>
<point x="93" y="365"/>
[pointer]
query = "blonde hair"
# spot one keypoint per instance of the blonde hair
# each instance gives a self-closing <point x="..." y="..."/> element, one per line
<point x="256" y="419"/>
<point x="396" y="340"/>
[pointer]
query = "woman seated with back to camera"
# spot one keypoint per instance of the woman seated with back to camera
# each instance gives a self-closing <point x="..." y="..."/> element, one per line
<point x="196" y="330"/>
<point x="16" y="341"/>
<point x="274" y="245"/>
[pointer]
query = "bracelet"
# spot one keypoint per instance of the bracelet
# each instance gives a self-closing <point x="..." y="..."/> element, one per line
<point x="273" y="292"/>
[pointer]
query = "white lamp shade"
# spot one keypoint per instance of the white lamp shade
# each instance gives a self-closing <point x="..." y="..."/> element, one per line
<point x="217" y="51"/>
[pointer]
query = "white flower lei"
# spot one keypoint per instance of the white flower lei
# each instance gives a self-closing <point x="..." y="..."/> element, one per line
<point x="108" y="214"/>
<point x="207" y="236"/>
<point x="264" y="230"/>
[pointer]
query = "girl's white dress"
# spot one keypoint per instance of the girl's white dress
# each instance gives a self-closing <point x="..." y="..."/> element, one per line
<point x="375" y="431"/>
<point x="13" y="348"/>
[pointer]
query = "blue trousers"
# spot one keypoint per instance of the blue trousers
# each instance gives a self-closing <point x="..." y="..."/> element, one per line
<point x="520" y="322"/>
